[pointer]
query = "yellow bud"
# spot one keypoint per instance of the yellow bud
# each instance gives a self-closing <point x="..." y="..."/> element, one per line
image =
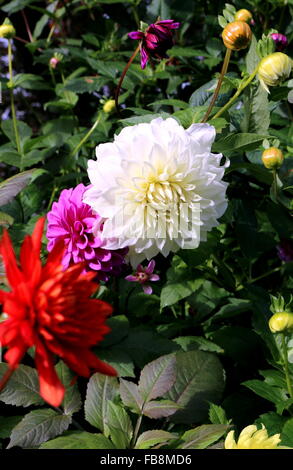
<point x="281" y="321"/>
<point x="272" y="158"/>
<point x="237" y="35"/>
<point x="273" y="69"/>
<point x="109" y="106"/>
<point x="7" y="31"/>
<point x="243" y="15"/>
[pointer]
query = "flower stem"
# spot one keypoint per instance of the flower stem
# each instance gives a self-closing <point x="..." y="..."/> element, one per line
<point x="238" y="92"/>
<point x="136" y="431"/>
<point x="123" y="75"/>
<point x="12" y="97"/>
<point x="219" y="84"/>
<point x="76" y="149"/>
<point x="275" y="186"/>
<point x="6" y="377"/>
<point x="286" y="366"/>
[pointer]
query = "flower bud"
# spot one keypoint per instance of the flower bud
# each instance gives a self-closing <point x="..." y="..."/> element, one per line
<point x="54" y="62"/>
<point x="237" y="35"/>
<point x="272" y="158"/>
<point x="281" y="322"/>
<point x="274" y="69"/>
<point x="7" y="31"/>
<point x="243" y="15"/>
<point x="280" y="40"/>
<point x="109" y="106"/>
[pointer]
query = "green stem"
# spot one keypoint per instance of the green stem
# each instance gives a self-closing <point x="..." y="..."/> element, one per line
<point x="272" y="271"/>
<point x="12" y="97"/>
<point x="135" y="14"/>
<point x="219" y="84"/>
<point x="286" y="366"/>
<point x="136" y="431"/>
<point x="275" y="186"/>
<point x="238" y="92"/>
<point x="76" y="149"/>
<point x="123" y="75"/>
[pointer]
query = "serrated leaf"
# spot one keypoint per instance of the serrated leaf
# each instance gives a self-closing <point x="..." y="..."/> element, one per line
<point x="170" y="102"/>
<point x="217" y="414"/>
<point x="72" y="399"/>
<point x="264" y="390"/>
<point x="203" y="436"/>
<point x="22" y="388"/>
<point x="149" y="439"/>
<point x="160" y="408"/>
<point x="157" y="377"/>
<point x="79" y="440"/>
<point x="38" y="426"/>
<point x="85" y="84"/>
<point x="24" y="131"/>
<point x="130" y="395"/>
<point x="189" y="343"/>
<point x="10" y="187"/>
<point x="238" y="142"/>
<point x="119" y="425"/>
<point x="199" y="379"/>
<point x="100" y="390"/>
<point x="256" y="104"/>
<point x="287" y="433"/>
<point x="119" y="359"/>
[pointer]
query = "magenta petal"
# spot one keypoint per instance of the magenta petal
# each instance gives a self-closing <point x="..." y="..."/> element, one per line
<point x="144" y="57"/>
<point x="135" y="35"/>
<point x="131" y="278"/>
<point x="151" y="266"/>
<point x="147" y="289"/>
<point x="154" y="277"/>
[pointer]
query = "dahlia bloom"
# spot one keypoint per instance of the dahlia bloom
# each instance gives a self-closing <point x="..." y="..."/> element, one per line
<point x="252" y="438"/>
<point x="158" y="188"/>
<point x="156" y="40"/>
<point x="72" y="221"/>
<point x="144" y="276"/>
<point x="50" y="309"/>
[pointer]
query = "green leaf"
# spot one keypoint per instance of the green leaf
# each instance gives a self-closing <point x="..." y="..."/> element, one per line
<point x="157" y="377"/>
<point x="30" y="82"/>
<point x="130" y="395"/>
<point x="159" y="8"/>
<point x="178" y="51"/>
<point x="144" y="345"/>
<point x="272" y="422"/>
<point x="100" y="390"/>
<point x="189" y="343"/>
<point x="119" y="359"/>
<point x="10" y="187"/>
<point x="72" y="399"/>
<point x="252" y="58"/>
<point x="22" y="388"/>
<point x="120" y="427"/>
<point x="7" y="423"/>
<point x="24" y="131"/>
<point x="264" y="390"/>
<point x="199" y="379"/>
<point x="256" y="104"/>
<point x="38" y="426"/>
<point x="85" y="84"/>
<point x="170" y="102"/>
<point x="217" y="415"/>
<point x="238" y="142"/>
<point x="79" y="440"/>
<point x="287" y="433"/>
<point x="119" y="325"/>
<point x="203" y="436"/>
<point x="145" y="118"/>
<point x="149" y="439"/>
<point x="160" y="409"/>
<point x="16" y="5"/>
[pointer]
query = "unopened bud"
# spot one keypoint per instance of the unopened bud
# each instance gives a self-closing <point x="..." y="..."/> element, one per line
<point x="274" y="69"/>
<point x="7" y="31"/>
<point x="281" y="322"/>
<point x="272" y="158"/>
<point x="109" y="106"/>
<point x="54" y="62"/>
<point x="237" y="35"/>
<point x="243" y="15"/>
<point x="280" y="40"/>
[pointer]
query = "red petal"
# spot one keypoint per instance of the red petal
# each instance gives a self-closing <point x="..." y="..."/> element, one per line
<point x="37" y="234"/>
<point x="51" y="388"/>
<point x="13" y="273"/>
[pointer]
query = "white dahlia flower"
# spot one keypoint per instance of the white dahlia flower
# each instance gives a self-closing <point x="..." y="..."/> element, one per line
<point x="158" y="188"/>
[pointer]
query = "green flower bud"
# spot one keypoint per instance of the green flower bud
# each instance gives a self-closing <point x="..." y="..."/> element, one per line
<point x="281" y="322"/>
<point x="7" y="31"/>
<point x="272" y="158"/>
<point x="274" y="69"/>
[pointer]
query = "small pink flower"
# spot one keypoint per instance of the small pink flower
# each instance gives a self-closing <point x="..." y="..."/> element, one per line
<point x="157" y="39"/>
<point x="54" y="61"/>
<point x="280" y="41"/>
<point x="144" y="276"/>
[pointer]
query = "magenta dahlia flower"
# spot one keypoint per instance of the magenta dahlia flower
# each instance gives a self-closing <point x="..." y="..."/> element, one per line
<point x="144" y="276"/>
<point x="280" y="41"/>
<point x="156" y="40"/>
<point x="72" y="221"/>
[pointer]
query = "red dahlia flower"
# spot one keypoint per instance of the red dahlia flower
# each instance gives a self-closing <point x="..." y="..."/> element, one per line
<point x="50" y="309"/>
<point x="156" y="40"/>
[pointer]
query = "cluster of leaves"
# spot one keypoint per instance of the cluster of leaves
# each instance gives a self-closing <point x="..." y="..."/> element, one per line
<point x="202" y="337"/>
